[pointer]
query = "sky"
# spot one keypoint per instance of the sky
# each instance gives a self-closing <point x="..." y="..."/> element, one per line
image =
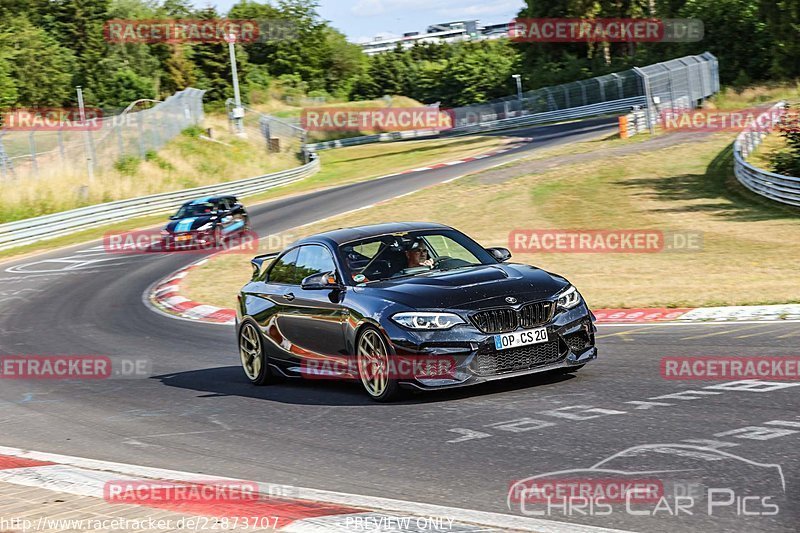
<point x="364" y="19"/>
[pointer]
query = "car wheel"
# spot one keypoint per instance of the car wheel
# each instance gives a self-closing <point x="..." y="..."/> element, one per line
<point x="251" y="350"/>
<point x="372" y="356"/>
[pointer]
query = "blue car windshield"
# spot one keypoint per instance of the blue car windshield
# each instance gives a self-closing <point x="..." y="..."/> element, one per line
<point x="195" y="210"/>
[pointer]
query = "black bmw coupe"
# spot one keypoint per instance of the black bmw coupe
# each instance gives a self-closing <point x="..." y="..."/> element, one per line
<point x="416" y="305"/>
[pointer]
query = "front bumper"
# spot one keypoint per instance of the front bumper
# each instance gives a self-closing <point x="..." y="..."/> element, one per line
<point x="475" y="360"/>
<point x="188" y="240"/>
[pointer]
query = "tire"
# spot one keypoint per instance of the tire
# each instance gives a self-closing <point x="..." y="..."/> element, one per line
<point x="251" y="351"/>
<point x="372" y="357"/>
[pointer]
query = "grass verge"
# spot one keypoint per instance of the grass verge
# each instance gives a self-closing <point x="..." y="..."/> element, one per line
<point x="746" y="258"/>
<point x="339" y="166"/>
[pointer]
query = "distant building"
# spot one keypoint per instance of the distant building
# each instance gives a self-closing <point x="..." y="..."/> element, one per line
<point x="446" y="32"/>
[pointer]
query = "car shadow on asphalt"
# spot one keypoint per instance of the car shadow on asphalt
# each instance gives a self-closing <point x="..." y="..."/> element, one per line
<point x="230" y="381"/>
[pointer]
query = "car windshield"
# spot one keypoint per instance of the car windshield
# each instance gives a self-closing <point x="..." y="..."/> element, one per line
<point x="194" y="210"/>
<point x="410" y="254"/>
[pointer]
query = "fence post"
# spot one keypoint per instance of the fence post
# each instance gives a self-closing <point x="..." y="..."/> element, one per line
<point x="32" y="147"/>
<point x="648" y="100"/>
<point x="61" y="144"/>
<point x="120" y="141"/>
<point x="140" y="128"/>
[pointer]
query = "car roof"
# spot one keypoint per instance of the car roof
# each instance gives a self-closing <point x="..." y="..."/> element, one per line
<point x="207" y="199"/>
<point x="343" y="235"/>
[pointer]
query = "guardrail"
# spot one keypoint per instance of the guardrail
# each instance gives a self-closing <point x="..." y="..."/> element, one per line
<point x="602" y="108"/>
<point x="50" y="226"/>
<point x="777" y="187"/>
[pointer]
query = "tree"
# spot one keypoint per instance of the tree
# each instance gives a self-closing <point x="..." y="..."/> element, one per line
<point x="40" y="67"/>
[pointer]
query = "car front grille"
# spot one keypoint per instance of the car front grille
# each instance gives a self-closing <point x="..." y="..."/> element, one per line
<point x="517" y="359"/>
<point x="496" y="320"/>
<point x="536" y="314"/>
<point x="506" y="319"/>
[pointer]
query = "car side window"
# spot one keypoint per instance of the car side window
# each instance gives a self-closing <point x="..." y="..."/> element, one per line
<point x="313" y="259"/>
<point x="283" y="269"/>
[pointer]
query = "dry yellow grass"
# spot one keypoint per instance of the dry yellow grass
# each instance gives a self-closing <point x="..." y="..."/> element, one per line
<point x="185" y="162"/>
<point x="749" y="253"/>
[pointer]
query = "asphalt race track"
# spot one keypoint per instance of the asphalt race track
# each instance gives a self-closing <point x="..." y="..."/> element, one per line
<point x="460" y="448"/>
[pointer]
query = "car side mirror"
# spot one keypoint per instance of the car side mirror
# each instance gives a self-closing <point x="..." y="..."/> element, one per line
<point x="323" y="280"/>
<point x="501" y="254"/>
<point x="258" y="263"/>
<point x="173" y="217"/>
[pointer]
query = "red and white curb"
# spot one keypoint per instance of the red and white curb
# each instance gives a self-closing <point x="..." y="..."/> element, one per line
<point x="166" y="296"/>
<point x="507" y="148"/>
<point x="296" y="509"/>
<point x="748" y="313"/>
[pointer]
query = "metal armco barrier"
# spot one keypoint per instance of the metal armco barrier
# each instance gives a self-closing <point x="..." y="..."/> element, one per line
<point x="603" y="108"/>
<point x="676" y="84"/>
<point x="777" y="187"/>
<point x="66" y="222"/>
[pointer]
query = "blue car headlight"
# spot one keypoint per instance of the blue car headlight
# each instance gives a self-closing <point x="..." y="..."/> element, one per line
<point x="427" y="320"/>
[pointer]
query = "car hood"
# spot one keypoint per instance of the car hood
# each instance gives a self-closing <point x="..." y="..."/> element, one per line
<point x="469" y="288"/>
<point x="187" y="224"/>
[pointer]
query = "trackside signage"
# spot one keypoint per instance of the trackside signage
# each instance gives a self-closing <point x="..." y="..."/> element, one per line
<point x="51" y="119"/>
<point x="710" y="368"/>
<point x="376" y="118"/>
<point x="610" y="30"/>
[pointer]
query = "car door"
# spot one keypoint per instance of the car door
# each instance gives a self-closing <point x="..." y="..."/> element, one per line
<point x="312" y="320"/>
<point x="226" y="219"/>
<point x="268" y="303"/>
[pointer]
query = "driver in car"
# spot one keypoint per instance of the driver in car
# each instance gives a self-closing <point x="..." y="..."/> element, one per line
<point x="417" y="255"/>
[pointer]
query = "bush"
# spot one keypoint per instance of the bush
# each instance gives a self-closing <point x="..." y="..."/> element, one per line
<point x="127" y="165"/>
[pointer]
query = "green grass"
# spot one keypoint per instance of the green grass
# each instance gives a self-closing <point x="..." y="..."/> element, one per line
<point x="343" y="165"/>
<point x="684" y="187"/>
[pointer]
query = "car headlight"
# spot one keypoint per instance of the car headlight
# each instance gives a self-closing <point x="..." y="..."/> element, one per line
<point x="205" y="227"/>
<point x="569" y="298"/>
<point x="422" y="320"/>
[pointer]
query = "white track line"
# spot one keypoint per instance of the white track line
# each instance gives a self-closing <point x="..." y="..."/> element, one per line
<point x="502" y="521"/>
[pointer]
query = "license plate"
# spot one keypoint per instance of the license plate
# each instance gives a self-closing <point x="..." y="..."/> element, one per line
<point x="183" y="238"/>
<point x="504" y="341"/>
